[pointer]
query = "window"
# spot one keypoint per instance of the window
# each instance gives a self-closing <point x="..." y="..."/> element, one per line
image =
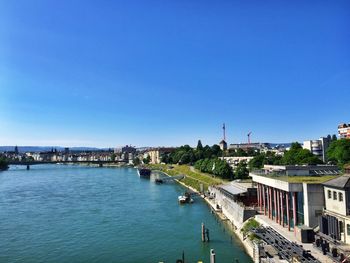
<point x="334" y="195"/>
<point x="340" y="197"/>
<point x="348" y="229"/>
<point x="341" y="227"/>
<point x="329" y="194"/>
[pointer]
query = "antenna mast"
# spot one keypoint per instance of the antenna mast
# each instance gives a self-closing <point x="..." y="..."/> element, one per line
<point x="224" y="131"/>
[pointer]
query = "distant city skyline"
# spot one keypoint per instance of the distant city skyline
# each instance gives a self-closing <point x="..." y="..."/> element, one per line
<point x="152" y="73"/>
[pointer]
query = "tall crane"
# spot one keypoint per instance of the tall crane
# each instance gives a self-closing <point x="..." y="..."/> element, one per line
<point x="249" y="137"/>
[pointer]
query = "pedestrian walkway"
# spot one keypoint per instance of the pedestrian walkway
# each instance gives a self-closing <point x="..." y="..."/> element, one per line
<point x="265" y="221"/>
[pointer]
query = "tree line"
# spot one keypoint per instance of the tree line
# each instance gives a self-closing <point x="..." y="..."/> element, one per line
<point x="338" y="153"/>
<point x="295" y="155"/>
<point x="3" y="163"/>
<point x="206" y="159"/>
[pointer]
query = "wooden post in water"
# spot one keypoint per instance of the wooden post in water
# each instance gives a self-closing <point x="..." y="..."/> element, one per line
<point x="203" y="232"/>
<point x="207" y="233"/>
<point x="212" y="256"/>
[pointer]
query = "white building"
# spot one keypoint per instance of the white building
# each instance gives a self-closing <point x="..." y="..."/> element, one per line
<point x="336" y="219"/>
<point x="156" y="154"/>
<point x="233" y="161"/>
<point x="318" y="147"/>
<point x="344" y="131"/>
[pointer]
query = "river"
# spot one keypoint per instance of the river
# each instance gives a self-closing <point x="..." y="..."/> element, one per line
<point x="72" y="213"/>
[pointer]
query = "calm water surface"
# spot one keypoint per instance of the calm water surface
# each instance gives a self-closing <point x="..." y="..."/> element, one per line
<point x="60" y="213"/>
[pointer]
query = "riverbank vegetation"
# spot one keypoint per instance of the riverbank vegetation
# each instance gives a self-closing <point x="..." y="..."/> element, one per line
<point x="3" y="164"/>
<point x="193" y="177"/>
<point x="247" y="229"/>
<point x="207" y="160"/>
<point x="187" y="155"/>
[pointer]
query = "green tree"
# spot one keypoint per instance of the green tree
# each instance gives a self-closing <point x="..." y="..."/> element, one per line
<point x="185" y="158"/>
<point x="241" y="152"/>
<point x="137" y="161"/>
<point x="199" y="146"/>
<point x="241" y="171"/>
<point x="339" y="152"/>
<point x="257" y="162"/>
<point x="216" y="151"/>
<point x="3" y="164"/>
<point x="298" y="155"/>
<point x="334" y="137"/>
<point x="146" y="160"/>
<point x="113" y="156"/>
<point x="329" y="137"/>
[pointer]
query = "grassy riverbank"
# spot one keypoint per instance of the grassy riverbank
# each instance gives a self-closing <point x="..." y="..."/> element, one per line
<point x="193" y="177"/>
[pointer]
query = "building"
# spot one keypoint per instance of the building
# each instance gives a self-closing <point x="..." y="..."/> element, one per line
<point x="223" y="145"/>
<point x="233" y="161"/>
<point x="344" y="131"/>
<point x="253" y="146"/>
<point x="156" y="154"/>
<point x="335" y="221"/>
<point x="237" y="200"/>
<point x="128" y="152"/>
<point x="292" y="195"/>
<point x="128" y="149"/>
<point x="318" y="147"/>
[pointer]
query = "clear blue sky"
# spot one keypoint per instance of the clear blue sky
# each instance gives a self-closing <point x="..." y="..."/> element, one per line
<point x="150" y="73"/>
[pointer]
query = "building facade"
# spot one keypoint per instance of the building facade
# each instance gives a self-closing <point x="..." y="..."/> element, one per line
<point x="335" y="221"/>
<point x="223" y="145"/>
<point x="318" y="147"/>
<point x="289" y="201"/>
<point x="344" y="131"/>
<point x="236" y="200"/>
<point x="156" y="154"/>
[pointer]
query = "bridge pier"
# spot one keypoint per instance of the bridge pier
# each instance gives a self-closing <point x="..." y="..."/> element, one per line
<point x="28" y="167"/>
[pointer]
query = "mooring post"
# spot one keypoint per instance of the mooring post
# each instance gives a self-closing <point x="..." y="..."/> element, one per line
<point x="212" y="256"/>
<point x="28" y="167"/>
<point x="203" y="232"/>
<point x="207" y="233"/>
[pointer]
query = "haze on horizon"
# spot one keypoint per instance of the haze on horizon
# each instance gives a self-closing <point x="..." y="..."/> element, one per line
<point x="152" y="73"/>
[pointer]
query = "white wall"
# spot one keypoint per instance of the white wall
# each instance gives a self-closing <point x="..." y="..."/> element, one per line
<point x="332" y="205"/>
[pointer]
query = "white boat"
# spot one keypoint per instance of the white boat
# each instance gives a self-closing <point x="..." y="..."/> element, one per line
<point x="186" y="198"/>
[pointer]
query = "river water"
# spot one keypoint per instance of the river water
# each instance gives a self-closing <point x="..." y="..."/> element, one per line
<point x="63" y="213"/>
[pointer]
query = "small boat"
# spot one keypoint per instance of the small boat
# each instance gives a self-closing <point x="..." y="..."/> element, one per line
<point x="144" y="172"/>
<point x="186" y="198"/>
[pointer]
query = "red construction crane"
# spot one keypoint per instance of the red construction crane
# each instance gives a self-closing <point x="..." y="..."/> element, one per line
<point x="249" y="137"/>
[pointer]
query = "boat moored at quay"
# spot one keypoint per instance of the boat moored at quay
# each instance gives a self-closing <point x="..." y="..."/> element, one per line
<point x="144" y="172"/>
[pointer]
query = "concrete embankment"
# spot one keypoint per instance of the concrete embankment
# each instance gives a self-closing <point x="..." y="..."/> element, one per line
<point x="248" y="245"/>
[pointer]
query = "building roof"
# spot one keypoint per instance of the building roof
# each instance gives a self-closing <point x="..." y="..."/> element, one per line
<point x="339" y="182"/>
<point x="234" y="188"/>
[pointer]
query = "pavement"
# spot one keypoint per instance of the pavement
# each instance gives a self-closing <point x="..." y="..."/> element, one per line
<point x="264" y="220"/>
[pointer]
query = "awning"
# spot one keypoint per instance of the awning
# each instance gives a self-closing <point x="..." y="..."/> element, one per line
<point x="232" y="189"/>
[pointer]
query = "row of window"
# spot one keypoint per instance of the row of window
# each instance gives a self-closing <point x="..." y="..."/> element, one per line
<point x="336" y="195"/>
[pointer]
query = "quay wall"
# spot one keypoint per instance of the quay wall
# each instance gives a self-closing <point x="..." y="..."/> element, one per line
<point x="233" y="214"/>
<point x="237" y="213"/>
